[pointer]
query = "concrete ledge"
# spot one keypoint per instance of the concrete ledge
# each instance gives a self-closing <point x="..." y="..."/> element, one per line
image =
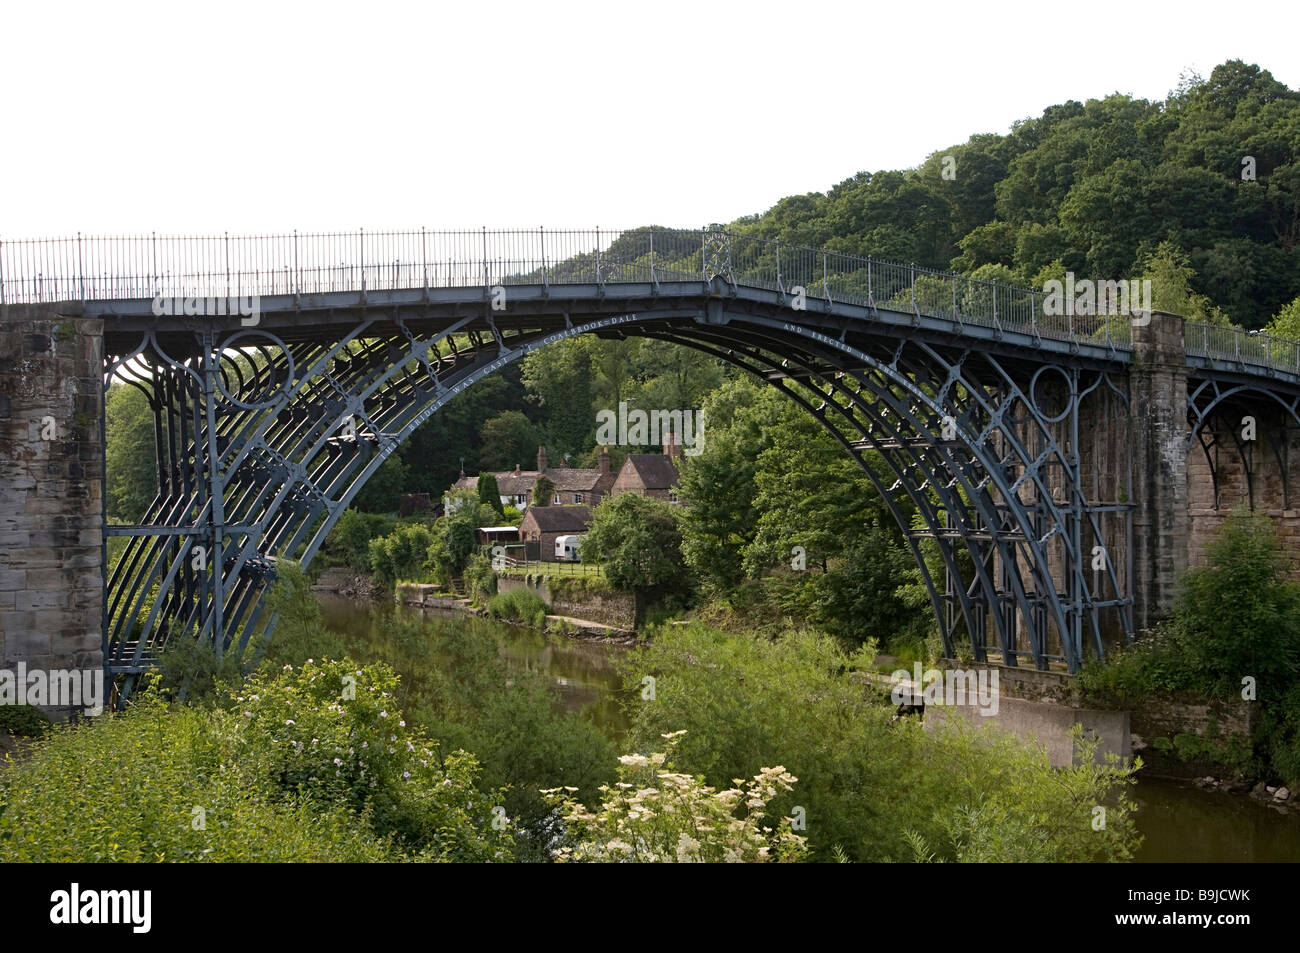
<point x="1050" y="725"/>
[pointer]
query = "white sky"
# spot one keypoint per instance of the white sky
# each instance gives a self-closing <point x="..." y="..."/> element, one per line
<point x="250" y="117"/>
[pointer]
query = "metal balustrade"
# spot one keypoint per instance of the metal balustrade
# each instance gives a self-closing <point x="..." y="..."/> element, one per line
<point x="89" y="269"/>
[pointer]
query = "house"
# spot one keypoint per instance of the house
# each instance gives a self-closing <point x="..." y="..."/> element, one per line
<point x="650" y="474"/>
<point x="572" y="485"/>
<point x="545" y="524"/>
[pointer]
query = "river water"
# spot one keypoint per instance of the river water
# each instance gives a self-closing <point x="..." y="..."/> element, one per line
<point x="1179" y="822"/>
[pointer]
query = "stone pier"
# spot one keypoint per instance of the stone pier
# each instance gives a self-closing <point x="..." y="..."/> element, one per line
<point x="51" y="500"/>
<point x="1158" y="407"/>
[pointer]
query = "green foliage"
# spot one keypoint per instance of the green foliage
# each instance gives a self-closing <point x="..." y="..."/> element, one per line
<point x="23" y="721"/>
<point x="509" y="439"/>
<point x="1097" y="187"/>
<point x="296" y="767"/>
<point x="480" y="578"/>
<point x="349" y="541"/>
<point x="543" y="491"/>
<point x="188" y="669"/>
<point x="131" y="476"/>
<point x="832" y="552"/>
<point x="575" y="587"/>
<point x="560" y="380"/>
<point x="864" y="781"/>
<point x="519" y="605"/>
<point x="1171" y="275"/>
<point x="1240" y="615"/>
<point x="456" y="685"/>
<point x="722" y="517"/>
<point x="455" y="536"/>
<point x="402" y="554"/>
<point x="657" y="815"/>
<point x="382" y="490"/>
<point x="1237" y="618"/>
<point x="1286" y="323"/>
<point x="489" y="493"/>
<point x="638" y="541"/>
<point x="1154" y="664"/>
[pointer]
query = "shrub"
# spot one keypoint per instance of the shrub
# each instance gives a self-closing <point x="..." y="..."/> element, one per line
<point x="349" y="541"/>
<point x="457" y="687"/>
<point x="519" y="605"/>
<point x="655" y="814"/>
<point x="638" y="541"/>
<point x="1240" y="614"/>
<point x="480" y="578"/>
<point x="401" y="554"/>
<point x="864" y="781"/>
<point x="23" y="721"/>
<point x="299" y="769"/>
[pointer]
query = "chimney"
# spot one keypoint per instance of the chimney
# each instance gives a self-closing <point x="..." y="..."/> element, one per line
<point x="604" y="461"/>
<point x="671" y="447"/>
<point x="516" y="469"/>
<point x="541" y="459"/>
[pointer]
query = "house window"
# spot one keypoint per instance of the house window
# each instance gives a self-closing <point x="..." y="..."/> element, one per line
<point x="577" y="497"/>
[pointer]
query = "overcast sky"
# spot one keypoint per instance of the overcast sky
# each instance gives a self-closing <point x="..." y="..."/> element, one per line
<point x="248" y="117"/>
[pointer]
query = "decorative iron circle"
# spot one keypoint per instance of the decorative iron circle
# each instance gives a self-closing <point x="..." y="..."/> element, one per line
<point x="1038" y="404"/>
<point x="254" y="369"/>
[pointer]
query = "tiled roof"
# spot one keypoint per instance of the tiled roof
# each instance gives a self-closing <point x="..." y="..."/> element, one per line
<point x="656" y="471"/>
<point x="566" y="480"/>
<point x="560" y="519"/>
<point x="573" y="479"/>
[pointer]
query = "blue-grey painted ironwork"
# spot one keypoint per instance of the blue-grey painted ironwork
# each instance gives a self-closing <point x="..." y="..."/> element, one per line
<point x="98" y="269"/>
<point x="959" y="398"/>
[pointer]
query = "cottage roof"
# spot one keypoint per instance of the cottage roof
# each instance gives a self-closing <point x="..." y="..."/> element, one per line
<point x="656" y="471"/>
<point x="560" y="519"/>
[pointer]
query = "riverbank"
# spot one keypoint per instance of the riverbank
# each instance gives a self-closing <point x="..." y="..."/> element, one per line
<point x="350" y="584"/>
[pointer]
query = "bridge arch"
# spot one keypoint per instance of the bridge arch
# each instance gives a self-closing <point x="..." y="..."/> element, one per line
<point x="260" y="459"/>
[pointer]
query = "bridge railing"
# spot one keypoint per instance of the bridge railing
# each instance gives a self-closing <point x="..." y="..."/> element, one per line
<point x="1249" y="348"/>
<point x="84" y="268"/>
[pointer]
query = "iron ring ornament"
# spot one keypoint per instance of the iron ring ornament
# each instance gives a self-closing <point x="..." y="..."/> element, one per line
<point x="265" y="383"/>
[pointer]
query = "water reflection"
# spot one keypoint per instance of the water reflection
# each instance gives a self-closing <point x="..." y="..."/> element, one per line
<point x="582" y="675"/>
<point x="1183" y="823"/>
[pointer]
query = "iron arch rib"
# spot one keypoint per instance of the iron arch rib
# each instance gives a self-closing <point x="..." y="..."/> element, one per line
<point x="262" y="448"/>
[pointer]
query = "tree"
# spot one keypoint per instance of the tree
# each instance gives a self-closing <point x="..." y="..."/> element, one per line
<point x="380" y="493"/>
<point x="543" y="491"/>
<point x="1170" y="274"/>
<point x="719" y="482"/>
<point x="559" y="379"/>
<point x="509" y="439"/>
<point x="131" y="478"/>
<point x="638" y="540"/>
<point x="809" y="493"/>
<point x="401" y="554"/>
<point x="455" y="535"/>
<point x="1240" y="615"/>
<point x="489" y="493"/>
<point x="1286" y="323"/>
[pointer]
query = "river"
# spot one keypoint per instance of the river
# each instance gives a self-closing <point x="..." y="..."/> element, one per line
<point x="1179" y="822"/>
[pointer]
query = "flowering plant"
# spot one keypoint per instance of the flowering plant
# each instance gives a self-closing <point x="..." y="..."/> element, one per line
<point x="654" y="814"/>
